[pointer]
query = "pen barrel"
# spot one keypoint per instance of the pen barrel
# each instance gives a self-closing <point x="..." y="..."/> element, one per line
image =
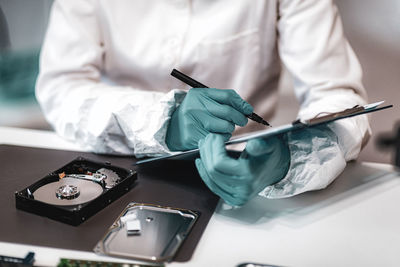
<point x="255" y="117"/>
<point x="195" y="84"/>
<point x="186" y="79"/>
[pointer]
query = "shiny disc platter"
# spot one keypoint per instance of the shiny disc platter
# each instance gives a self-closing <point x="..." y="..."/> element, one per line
<point x="83" y="191"/>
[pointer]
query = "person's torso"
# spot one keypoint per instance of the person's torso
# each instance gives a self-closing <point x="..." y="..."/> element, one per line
<point x="223" y="44"/>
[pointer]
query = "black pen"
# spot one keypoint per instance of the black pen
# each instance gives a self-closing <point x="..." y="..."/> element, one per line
<point x="195" y="84"/>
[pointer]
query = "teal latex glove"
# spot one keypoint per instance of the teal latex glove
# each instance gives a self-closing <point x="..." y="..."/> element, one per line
<point x="204" y="111"/>
<point x="262" y="163"/>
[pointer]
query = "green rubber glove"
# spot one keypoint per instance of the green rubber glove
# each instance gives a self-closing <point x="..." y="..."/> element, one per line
<point x="204" y="111"/>
<point x="262" y="163"/>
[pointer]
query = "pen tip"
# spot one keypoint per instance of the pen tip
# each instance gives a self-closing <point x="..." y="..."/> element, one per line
<point x="266" y="123"/>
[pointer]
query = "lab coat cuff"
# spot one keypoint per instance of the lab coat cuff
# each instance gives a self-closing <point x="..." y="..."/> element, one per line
<point x="316" y="160"/>
<point x="157" y="146"/>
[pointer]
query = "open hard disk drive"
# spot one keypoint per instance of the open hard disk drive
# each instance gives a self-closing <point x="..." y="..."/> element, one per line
<point x="76" y="191"/>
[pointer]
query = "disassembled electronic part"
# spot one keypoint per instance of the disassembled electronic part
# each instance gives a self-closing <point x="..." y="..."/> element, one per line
<point x="111" y="179"/>
<point x="132" y="235"/>
<point x="89" y="263"/>
<point x="14" y="261"/>
<point x="95" y="177"/>
<point x="68" y="191"/>
<point x="76" y="191"/>
<point x="129" y="217"/>
<point x="133" y="227"/>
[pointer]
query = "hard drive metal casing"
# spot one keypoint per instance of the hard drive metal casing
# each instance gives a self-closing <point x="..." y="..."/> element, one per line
<point x="163" y="230"/>
<point x="75" y="214"/>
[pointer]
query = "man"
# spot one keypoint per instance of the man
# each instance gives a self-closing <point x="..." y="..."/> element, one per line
<point x="105" y="83"/>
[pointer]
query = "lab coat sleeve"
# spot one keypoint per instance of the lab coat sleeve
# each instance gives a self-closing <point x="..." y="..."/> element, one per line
<point x="327" y="78"/>
<point x="102" y="118"/>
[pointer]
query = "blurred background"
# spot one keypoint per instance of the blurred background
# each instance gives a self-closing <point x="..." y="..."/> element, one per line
<point x="22" y="28"/>
<point x="372" y="27"/>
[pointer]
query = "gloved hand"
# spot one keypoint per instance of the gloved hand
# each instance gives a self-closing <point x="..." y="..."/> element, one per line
<point x="203" y="111"/>
<point x="262" y="163"/>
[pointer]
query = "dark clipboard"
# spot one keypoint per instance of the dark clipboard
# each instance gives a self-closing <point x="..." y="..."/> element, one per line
<point x="321" y="118"/>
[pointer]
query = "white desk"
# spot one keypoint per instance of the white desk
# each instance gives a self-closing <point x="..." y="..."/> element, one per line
<point x="354" y="222"/>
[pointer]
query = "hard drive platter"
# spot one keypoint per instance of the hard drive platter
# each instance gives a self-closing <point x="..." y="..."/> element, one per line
<point x="76" y="191"/>
<point x="68" y="191"/>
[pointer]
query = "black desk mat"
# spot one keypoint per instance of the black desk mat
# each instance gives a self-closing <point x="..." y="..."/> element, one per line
<point x="169" y="183"/>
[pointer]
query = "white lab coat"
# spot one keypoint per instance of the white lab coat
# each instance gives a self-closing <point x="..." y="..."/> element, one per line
<point x="104" y="74"/>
